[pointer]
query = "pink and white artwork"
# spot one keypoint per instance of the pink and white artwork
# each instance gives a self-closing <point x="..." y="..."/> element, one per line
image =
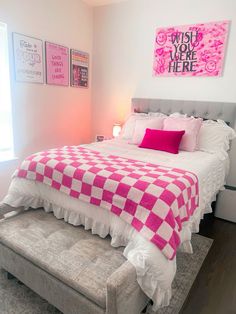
<point x="191" y="50"/>
<point x="57" y="64"/>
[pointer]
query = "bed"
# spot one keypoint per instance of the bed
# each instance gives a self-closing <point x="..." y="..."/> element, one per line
<point x="155" y="272"/>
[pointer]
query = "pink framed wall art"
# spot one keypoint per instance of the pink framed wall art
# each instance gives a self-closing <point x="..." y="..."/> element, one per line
<point x="57" y="64"/>
<point x="191" y="50"/>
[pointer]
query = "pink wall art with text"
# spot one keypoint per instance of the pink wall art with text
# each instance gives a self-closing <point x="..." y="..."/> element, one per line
<point x="191" y="50"/>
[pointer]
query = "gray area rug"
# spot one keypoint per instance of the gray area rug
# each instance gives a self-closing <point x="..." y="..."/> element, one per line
<point x="16" y="298"/>
<point x="188" y="266"/>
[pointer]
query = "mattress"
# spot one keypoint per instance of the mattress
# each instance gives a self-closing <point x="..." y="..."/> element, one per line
<point x="154" y="272"/>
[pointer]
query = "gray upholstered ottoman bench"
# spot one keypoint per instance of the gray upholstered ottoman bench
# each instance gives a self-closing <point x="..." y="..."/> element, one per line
<point x="72" y="269"/>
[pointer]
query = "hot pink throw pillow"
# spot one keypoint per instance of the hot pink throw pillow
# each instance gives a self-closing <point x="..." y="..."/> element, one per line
<point x="167" y="141"/>
<point x="190" y="125"/>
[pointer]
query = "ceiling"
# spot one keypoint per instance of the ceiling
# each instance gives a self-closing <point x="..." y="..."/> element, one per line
<point x="101" y="2"/>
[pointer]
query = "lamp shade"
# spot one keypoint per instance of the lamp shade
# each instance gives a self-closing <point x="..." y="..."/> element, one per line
<point x="116" y="129"/>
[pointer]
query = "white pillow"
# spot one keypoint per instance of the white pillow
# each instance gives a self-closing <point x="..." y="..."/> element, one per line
<point x="128" y="128"/>
<point x="215" y="137"/>
<point x="157" y="114"/>
<point x="141" y="126"/>
<point x="178" y="115"/>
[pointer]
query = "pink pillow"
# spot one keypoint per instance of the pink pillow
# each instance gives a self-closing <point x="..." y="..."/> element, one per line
<point x="167" y="141"/>
<point x="190" y="125"/>
<point x="142" y="125"/>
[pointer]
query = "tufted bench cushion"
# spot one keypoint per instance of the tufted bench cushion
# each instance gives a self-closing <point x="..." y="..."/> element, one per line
<point x="82" y="261"/>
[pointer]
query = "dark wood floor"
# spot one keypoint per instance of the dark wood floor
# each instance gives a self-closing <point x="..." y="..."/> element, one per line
<point x="214" y="290"/>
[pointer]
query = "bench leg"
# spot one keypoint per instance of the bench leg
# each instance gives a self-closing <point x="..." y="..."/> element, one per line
<point x="146" y="307"/>
<point x="10" y="276"/>
<point x="144" y="310"/>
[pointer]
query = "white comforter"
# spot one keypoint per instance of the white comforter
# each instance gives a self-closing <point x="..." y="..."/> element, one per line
<point x="154" y="272"/>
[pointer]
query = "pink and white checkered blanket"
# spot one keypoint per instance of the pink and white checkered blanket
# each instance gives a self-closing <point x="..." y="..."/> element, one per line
<point x="154" y="199"/>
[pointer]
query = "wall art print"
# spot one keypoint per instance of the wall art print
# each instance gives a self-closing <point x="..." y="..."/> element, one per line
<point x="191" y="50"/>
<point x="57" y="64"/>
<point x="28" y="59"/>
<point x="79" y="68"/>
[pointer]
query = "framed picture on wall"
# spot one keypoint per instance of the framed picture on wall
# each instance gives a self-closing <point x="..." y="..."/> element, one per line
<point x="79" y="68"/>
<point x="28" y="58"/>
<point x="191" y="50"/>
<point x="57" y="64"/>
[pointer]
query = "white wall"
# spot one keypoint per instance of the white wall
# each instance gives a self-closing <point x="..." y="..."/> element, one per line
<point x="47" y="116"/>
<point x="124" y="35"/>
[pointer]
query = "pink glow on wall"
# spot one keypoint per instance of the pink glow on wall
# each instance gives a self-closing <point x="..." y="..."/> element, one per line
<point x="191" y="50"/>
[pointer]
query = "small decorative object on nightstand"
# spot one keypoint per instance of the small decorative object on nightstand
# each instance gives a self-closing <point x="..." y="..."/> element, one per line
<point x="116" y="129"/>
<point x="100" y="138"/>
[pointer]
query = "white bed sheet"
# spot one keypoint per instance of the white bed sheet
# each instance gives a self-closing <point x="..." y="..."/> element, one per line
<point x="154" y="272"/>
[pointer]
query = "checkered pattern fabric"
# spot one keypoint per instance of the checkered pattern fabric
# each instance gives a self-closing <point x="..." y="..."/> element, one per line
<point x="154" y="199"/>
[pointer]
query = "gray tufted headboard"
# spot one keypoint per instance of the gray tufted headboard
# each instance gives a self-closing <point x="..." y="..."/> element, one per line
<point x="204" y="109"/>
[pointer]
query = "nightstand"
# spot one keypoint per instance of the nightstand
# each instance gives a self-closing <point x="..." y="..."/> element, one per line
<point x="226" y="202"/>
<point x="101" y="138"/>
